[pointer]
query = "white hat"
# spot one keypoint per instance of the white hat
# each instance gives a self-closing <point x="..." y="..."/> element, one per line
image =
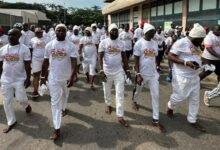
<point x="148" y="27"/>
<point x="60" y="25"/>
<point x="93" y="25"/>
<point x="89" y="29"/>
<point x="75" y="27"/>
<point x="112" y="26"/>
<point x="197" y="31"/>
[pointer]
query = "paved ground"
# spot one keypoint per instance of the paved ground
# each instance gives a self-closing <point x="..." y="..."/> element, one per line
<point x="88" y="127"/>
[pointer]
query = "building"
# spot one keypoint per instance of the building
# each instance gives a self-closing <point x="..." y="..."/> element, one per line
<point x="163" y="12"/>
<point x="11" y="16"/>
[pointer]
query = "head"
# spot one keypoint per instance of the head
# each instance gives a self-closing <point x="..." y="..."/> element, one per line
<point x="38" y="32"/>
<point x="88" y="31"/>
<point x="18" y="26"/>
<point x="178" y="32"/>
<point x="100" y="25"/>
<point x="172" y="25"/>
<point x="13" y="36"/>
<point x="32" y="28"/>
<point x="142" y="26"/>
<point x="70" y="27"/>
<point x="113" y="31"/>
<point x="25" y="27"/>
<point x="75" y="30"/>
<point x="94" y="27"/>
<point x="159" y="30"/>
<point x="60" y="31"/>
<point x="216" y="30"/>
<point x="174" y="38"/>
<point x="1" y="31"/>
<point x="126" y="27"/>
<point x="122" y="26"/>
<point x="197" y="34"/>
<point x="149" y="31"/>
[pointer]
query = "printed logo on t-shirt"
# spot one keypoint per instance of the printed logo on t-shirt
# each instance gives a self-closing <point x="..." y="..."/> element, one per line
<point x="127" y="37"/>
<point x="88" y="42"/>
<point x="10" y="58"/>
<point x="40" y="44"/>
<point x="76" y="42"/>
<point x="196" y="51"/>
<point x="149" y="52"/>
<point x="58" y="53"/>
<point x="114" y="49"/>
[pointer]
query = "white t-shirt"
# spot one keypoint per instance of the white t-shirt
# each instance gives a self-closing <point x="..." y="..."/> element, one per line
<point x="211" y="41"/>
<point x="38" y="45"/>
<point x="13" y="58"/>
<point x="120" y="30"/>
<point x="89" y="47"/>
<point x="159" y="38"/>
<point x="127" y="38"/>
<point x="188" y="52"/>
<point x="59" y="54"/>
<point x="112" y="61"/>
<point x="100" y="31"/>
<point x="3" y="40"/>
<point x="52" y="34"/>
<point x="105" y="36"/>
<point x="28" y="35"/>
<point x="147" y="51"/>
<point x="97" y="35"/>
<point x="75" y="39"/>
<point x="169" y="41"/>
<point x="138" y="33"/>
<point x="69" y="34"/>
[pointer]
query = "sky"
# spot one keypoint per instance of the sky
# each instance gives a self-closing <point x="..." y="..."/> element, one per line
<point x="68" y="3"/>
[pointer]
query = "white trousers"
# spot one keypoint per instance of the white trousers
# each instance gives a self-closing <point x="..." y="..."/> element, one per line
<point x="59" y="96"/>
<point x="153" y="84"/>
<point x="89" y="66"/>
<point x="118" y="80"/>
<point x="8" y="91"/>
<point x="186" y="88"/>
<point x="214" y="93"/>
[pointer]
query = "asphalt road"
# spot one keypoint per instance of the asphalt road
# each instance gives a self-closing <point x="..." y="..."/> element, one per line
<point x="87" y="127"/>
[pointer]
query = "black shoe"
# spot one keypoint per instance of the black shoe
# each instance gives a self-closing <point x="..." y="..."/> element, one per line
<point x="157" y="124"/>
<point x="169" y="112"/>
<point x="197" y="126"/>
<point x="28" y="109"/>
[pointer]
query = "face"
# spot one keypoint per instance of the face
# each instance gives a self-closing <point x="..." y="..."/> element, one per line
<point x="13" y="36"/>
<point x="150" y="34"/>
<point x="76" y="32"/>
<point x="197" y="41"/>
<point x="217" y="30"/>
<point x="87" y="33"/>
<point x="39" y="34"/>
<point x="114" y="34"/>
<point x="159" y="30"/>
<point x="25" y="27"/>
<point x="126" y="28"/>
<point x="99" y="25"/>
<point x="94" y="28"/>
<point x="61" y="33"/>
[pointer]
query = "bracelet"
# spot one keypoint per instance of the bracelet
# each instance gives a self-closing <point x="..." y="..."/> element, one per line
<point x="42" y="77"/>
<point x="185" y="62"/>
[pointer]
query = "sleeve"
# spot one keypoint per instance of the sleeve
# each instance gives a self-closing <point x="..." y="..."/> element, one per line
<point x="73" y="50"/>
<point x="135" y="34"/>
<point x="46" y="53"/>
<point x="137" y="49"/>
<point x="208" y="42"/>
<point x="27" y="54"/>
<point x="175" y="49"/>
<point x="81" y="41"/>
<point x="101" y="46"/>
<point x="123" y="46"/>
<point x="96" y="40"/>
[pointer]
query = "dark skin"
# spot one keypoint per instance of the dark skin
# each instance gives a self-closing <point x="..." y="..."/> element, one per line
<point x="25" y="27"/>
<point x="148" y="36"/>
<point x="61" y="35"/>
<point x="174" y="58"/>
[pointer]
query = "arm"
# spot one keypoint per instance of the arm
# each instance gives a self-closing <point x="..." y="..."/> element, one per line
<point x="1" y="68"/>
<point x="139" y="78"/>
<point x="27" y="66"/>
<point x="80" y="51"/>
<point x="100" y="59"/>
<point x="44" y="71"/>
<point x="73" y="74"/>
<point x="212" y="52"/>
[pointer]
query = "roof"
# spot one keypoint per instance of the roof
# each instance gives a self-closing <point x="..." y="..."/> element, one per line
<point x="34" y="14"/>
<point x="120" y="4"/>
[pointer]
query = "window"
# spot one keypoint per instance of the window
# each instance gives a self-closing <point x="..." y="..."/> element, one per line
<point x="114" y="18"/>
<point x="207" y="4"/>
<point x="178" y="7"/>
<point x="169" y="9"/>
<point x="153" y="11"/>
<point x="145" y="12"/>
<point x="160" y="11"/>
<point x="194" y="5"/>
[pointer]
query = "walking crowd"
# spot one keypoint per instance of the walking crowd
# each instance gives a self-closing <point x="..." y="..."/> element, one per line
<point x="54" y="56"/>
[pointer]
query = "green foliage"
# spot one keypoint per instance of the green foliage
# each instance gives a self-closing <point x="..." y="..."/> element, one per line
<point x="75" y="16"/>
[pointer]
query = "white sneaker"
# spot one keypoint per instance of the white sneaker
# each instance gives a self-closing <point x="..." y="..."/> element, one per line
<point x="206" y="99"/>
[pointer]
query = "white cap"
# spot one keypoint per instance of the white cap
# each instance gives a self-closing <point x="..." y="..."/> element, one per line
<point x="93" y="25"/>
<point x="197" y="31"/>
<point x="60" y="25"/>
<point x="75" y="27"/>
<point x="148" y="27"/>
<point x="112" y="26"/>
<point x="89" y="29"/>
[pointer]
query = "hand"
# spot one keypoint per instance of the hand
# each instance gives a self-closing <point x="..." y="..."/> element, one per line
<point x="128" y="75"/>
<point x="103" y="76"/>
<point x="192" y="64"/>
<point x="70" y="82"/>
<point x="27" y="83"/>
<point x="139" y="79"/>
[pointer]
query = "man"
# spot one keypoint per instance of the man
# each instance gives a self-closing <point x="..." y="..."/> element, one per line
<point x="211" y="54"/>
<point x="138" y="33"/>
<point x="209" y="95"/>
<point x="69" y="32"/>
<point x="38" y="43"/>
<point x="160" y="39"/>
<point x="121" y="29"/>
<point x="19" y="26"/>
<point x="94" y="31"/>
<point x="60" y="55"/>
<point x="185" y="54"/>
<point x="75" y="39"/>
<point x="15" y="71"/>
<point x="112" y="60"/>
<point x="145" y="52"/>
<point x="100" y="30"/>
<point x="127" y="37"/>
<point x="88" y="53"/>
<point x="28" y="35"/>
<point x="3" y="38"/>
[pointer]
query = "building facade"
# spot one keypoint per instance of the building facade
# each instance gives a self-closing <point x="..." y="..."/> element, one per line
<point x="161" y="12"/>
